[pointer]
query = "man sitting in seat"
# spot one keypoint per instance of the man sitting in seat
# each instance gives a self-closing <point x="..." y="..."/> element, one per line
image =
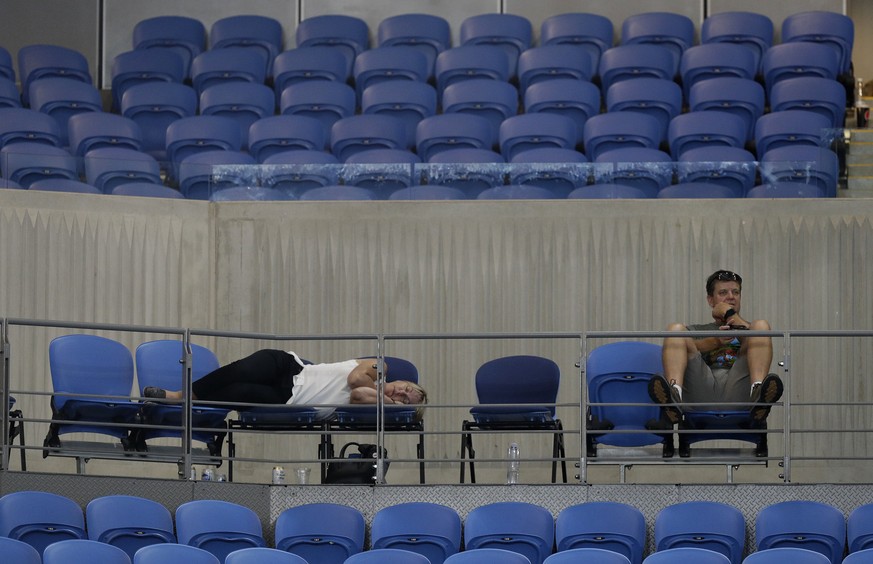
<point x="726" y="369"/>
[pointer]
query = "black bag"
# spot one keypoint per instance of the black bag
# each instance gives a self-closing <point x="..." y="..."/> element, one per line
<point x="358" y="468"/>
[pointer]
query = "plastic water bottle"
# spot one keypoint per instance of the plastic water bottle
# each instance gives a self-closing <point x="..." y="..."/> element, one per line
<point x="512" y="464"/>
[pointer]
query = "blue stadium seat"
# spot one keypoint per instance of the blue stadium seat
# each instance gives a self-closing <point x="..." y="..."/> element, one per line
<point x="219" y="527"/>
<point x="831" y="28"/>
<point x="308" y="63"/>
<point x="144" y="65"/>
<point x="203" y="174"/>
<point x="693" y="190"/>
<point x="520" y="527"/>
<point x="348" y="34"/>
<point x="19" y="552"/>
<point x="366" y="131"/>
<point x="83" y="550"/>
<point x="326" y="101"/>
<point x="277" y="134"/>
<point x="429" y="34"/>
<point x="174" y="554"/>
<point x="327" y="533"/>
<point x="741" y="96"/>
<point x="452" y="131"/>
<point x="716" y="60"/>
<point x="786" y="190"/>
<point x="10" y="185"/>
<point x="628" y="62"/>
<point x="467" y="169"/>
<point x="428" y="192"/>
<point x="293" y="172"/>
<point x="487" y="556"/>
<point x="182" y="35"/>
<point x="731" y="167"/>
<point x="6" y="69"/>
<point x="790" y="127"/>
<point x="553" y="61"/>
<point x="22" y="125"/>
<point x="802" y="524"/>
<point x="606" y="525"/>
<point x="40" y="518"/>
<point x="411" y="104"/>
<point x="787" y="554"/>
<point x="575" y="99"/>
<point x="36" y="62"/>
<point x="609" y="131"/>
<point x="338" y="192"/>
<point x="797" y="59"/>
<point x="146" y="190"/>
<point x="10" y="97"/>
<point x="25" y="163"/>
<point x="751" y="30"/>
<point x="429" y="529"/>
<point x="262" y="555"/>
<point x="805" y="164"/>
<point x="510" y="32"/>
<point x="198" y="134"/>
<point x="702" y="524"/>
<point x="381" y="170"/>
<point x="686" y="554"/>
<point x="260" y="34"/>
<point x="657" y="97"/>
<point x="671" y="30"/>
<point x="859" y="557"/>
<point x="494" y="100"/>
<point x="592" y="555"/>
<point x="128" y="522"/>
<point x="468" y="62"/>
<point x="530" y="131"/>
<point x="606" y="192"/>
<point x="692" y="130"/>
<point x="556" y="169"/>
<point x="389" y="64"/>
<point x="95" y="130"/>
<point x="63" y="98"/>
<point x="154" y="106"/>
<point x="221" y="66"/>
<point x="64" y="185"/>
<point x="243" y="102"/>
<point x="109" y="167"/>
<point x="387" y="556"/>
<point x="859" y="528"/>
<point x="640" y="167"/>
<point x="590" y="32"/>
<point x="811" y="93"/>
<point x="247" y="194"/>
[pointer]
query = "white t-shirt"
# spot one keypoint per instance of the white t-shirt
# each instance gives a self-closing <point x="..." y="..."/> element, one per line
<point x="325" y="383"/>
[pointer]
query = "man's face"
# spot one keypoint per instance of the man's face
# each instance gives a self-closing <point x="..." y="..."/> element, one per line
<point x="725" y="292"/>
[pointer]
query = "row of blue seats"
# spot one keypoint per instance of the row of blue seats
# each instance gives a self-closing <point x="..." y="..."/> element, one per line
<point x="329" y="533"/>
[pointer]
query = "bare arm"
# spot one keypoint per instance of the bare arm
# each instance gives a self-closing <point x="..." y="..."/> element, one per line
<point x="364" y="375"/>
<point x="364" y="395"/>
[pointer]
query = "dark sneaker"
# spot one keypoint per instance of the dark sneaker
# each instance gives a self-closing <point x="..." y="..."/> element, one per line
<point x="665" y="394"/>
<point x="763" y="395"/>
<point x="154" y="392"/>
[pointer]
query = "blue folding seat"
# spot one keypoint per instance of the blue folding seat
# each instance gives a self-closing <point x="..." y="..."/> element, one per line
<point x="741" y="96"/>
<point x="657" y="97"/>
<point x="510" y="32"/>
<point x="790" y="127"/>
<point x="259" y="34"/>
<point x="751" y="30"/>
<point x="154" y="106"/>
<point x="366" y="131"/>
<point x="10" y="97"/>
<point x="219" y="527"/>
<point x="468" y="62"/>
<point x="575" y="99"/>
<point x="831" y="28"/>
<point x="262" y="555"/>
<point x="327" y="101"/>
<point x="686" y="554"/>
<point x="592" y="32"/>
<point x="859" y="557"/>
<point x="387" y="556"/>
<point x="64" y="185"/>
<point x="83" y="550"/>
<point x="182" y="35"/>
<point x="802" y="524"/>
<point x="9" y="184"/>
<point x="452" y="131"/>
<point x="293" y="172"/>
<point x="491" y="99"/>
<point x="592" y="555"/>
<point x="605" y="132"/>
<point x="243" y="102"/>
<point x="731" y="167"/>
<point x="348" y="34"/>
<point x="520" y="527"/>
<point x="806" y="164"/>
<point x="859" y="528"/>
<point x="703" y="129"/>
<point x="109" y="167"/>
<point x="6" y="69"/>
<point x="556" y="169"/>
<point x="62" y="98"/>
<point x="277" y="134"/>
<point x="204" y="173"/>
<point x="308" y="63"/>
<point x="467" y="169"/>
<point x="128" y="523"/>
<point x="19" y="552"/>
<point x="167" y="553"/>
<point x="338" y="192"/>
<point x="36" y="62"/>
<point x="25" y="163"/>
<point x="327" y="533"/>
<point x="801" y="58"/>
<point x="702" y="524"/>
<point x="626" y="62"/>
<point x="785" y="190"/>
<point x="381" y="170"/>
<point x="553" y="61"/>
<point x="429" y="529"/>
<point x="530" y="131"/>
<point x="94" y="130"/>
<point x="429" y="34"/>
<point x="641" y="167"/>
<point x="672" y="30"/>
<point x="247" y="194"/>
<point x="428" y="192"/>
<point x="607" y="525"/>
<point x="22" y="125"/>
<point x="198" y="134"/>
<point x="411" y="103"/>
<point x="691" y="190"/>
<point x="812" y="93"/>
<point x="146" y="190"/>
<point x="606" y="192"/>
<point x="232" y="64"/>
<point x="787" y="554"/>
<point x="389" y="64"/>
<point x="144" y="65"/>
<point x="487" y="556"/>
<point x="715" y="60"/>
<point x="40" y="518"/>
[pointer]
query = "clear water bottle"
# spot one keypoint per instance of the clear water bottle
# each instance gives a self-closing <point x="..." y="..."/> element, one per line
<point x="512" y="464"/>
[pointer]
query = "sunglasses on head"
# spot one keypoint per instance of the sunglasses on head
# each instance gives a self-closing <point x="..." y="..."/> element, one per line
<point x="722" y="276"/>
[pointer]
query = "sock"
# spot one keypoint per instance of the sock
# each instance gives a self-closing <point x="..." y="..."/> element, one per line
<point x="678" y="389"/>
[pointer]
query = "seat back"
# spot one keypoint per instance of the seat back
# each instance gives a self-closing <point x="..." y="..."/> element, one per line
<point x="62" y="98"/>
<point x="702" y="524"/>
<point x="802" y="163"/>
<point x="533" y="131"/>
<point x="471" y="61"/>
<point x="243" y="102"/>
<point x="326" y="101"/>
<point x="787" y="554"/>
<point x="487" y="556"/>
<point x="785" y="190"/>
<point x="10" y="97"/>
<point x="606" y="525"/>
<point x="576" y="99"/>
<point x="25" y="163"/>
<point x="790" y="127"/>
<point x="22" y="125"/>
<point x="731" y="167"/>
<point x="387" y="556"/>
<point x="511" y="32"/>
<point x="154" y="106"/>
<point x="715" y="60"/>
<point x="262" y="556"/>
<point x="108" y="167"/>
<point x="366" y="131"/>
<point x="199" y="134"/>
<point x="628" y="62"/>
<point x="657" y="97"/>
<point x="592" y="33"/>
<point x="146" y="190"/>
<point x="259" y="34"/>
<point x="859" y="528"/>
<point x="520" y="527"/>
<point x="811" y="93"/>
<point x="388" y="64"/>
<point x="180" y="34"/>
<point x="39" y="61"/>
<point x="348" y="34"/>
<point x="93" y="130"/>
<point x="276" y="134"/>
<point x="831" y="28"/>
<point x="294" y="172"/>
<point x="64" y="185"/>
<point x="158" y="363"/>
<point x="686" y="554"/>
<point x="443" y="132"/>
<point x="854" y="557"/>
<point x="429" y="34"/>
<point x="593" y="555"/>
<point x="308" y="63"/>
<point x="144" y="65"/>
<point x="426" y="528"/>
<point x="702" y="129"/>
<point x="338" y="192"/>
<point x="519" y="379"/>
<point x="550" y="62"/>
<point x="517" y="192"/>
<point x="174" y="553"/>
<point x="740" y="96"/>
<point x="668" y="29"/>
<point x="204" y="174"/>
<point x="219" y="527"/>
<point x="556" y="169"/>
<point x="605" y="132"/>
<point x="650" y="170"/>
<point x="606" y="192"/>
<point x="40" y="518"/>
<point x="751" y="30"/>
<point x="19" y="552"/>
<point x="493" y="100"/>
<point x="222" y="66"/>
<point x="321" y="532"/>
<point x="802" y="524"/>
<point x="82" y="550"/>
<point x="411" y="104"/>
<point x="794" y="60"/>
<point x="693" y="190"/>
<point x="6" y="69"/>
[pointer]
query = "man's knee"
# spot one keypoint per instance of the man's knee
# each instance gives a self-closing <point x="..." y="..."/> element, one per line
<point x="677" y="327"/>
<point x="759" y="325"/>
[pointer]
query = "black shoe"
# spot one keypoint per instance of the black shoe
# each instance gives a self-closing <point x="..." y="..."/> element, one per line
<point x="763" y="395"/>
<point x="664" y="394"/>
<point x="154" y="392"/>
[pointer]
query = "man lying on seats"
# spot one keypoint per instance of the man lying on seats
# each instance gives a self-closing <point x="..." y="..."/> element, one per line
<point x="271" y="376"/>
<point x="718" y="369"/>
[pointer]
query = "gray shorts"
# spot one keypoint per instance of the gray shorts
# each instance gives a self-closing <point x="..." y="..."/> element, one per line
<point x="704" y="384"/>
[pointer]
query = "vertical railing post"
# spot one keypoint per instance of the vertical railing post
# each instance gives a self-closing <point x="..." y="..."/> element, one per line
<point x="188" y="404"/>
<point x="583" y="409"/>
<point x="786" y="407"/>
<point x="4" y="393"/>
<point x="380" y="409"/>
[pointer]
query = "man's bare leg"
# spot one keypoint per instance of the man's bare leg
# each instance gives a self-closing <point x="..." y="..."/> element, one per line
<point x="759" y="352"/>
<point x="666" y="390"/>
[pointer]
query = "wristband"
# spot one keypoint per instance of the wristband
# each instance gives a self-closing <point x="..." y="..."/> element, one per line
<point x="729" y="313"/>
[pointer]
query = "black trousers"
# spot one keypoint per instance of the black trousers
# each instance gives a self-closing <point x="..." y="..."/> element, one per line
<point x="266" y="376"/>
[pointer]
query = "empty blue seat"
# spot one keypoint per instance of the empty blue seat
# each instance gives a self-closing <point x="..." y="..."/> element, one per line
<point x="802" y="58"/>
<point x="806" y="164"/>
<point x="429" y="529"/>
<point x="553" y="61"/>
<point x="64" y="185"/>
<point x="576" y="99"/>
<point x="671" y="30"/>
<point x="388" y="64"/>
<point x="40" y="518"/>
<point x="520" y="527"/>
<point x="428" y="192"/>
<point x="831" y="28"/>
<point x="790" y="127"/>
<point x="590" y="32"/>
<point x="9" y="184"/>
<point x="338" y="192"/>
<point x="429" y="34"/>
<point x="262" y="555"/>
<point x="491" y="99"/>
<point x="411" y="103"/>
<point x="232" y="64"/>
<point x="657" y="97"/>
<point x="606" y="192"/>
<point x="785" y="190"/>
<point x="518" y="192"/>
<point x="686" y="554"/>
<point x="19" y="552"/>
<point x="128" y="523"/>
<point x="703" y="129"/>
<point x="62" y="98"/>
<point x="510" y="32"/>
<point x="204" y="173"/>
<point x="154" y="106"/>
<point x="6" y="69"/>
<point x="25" y="163"/>
<point x="557" y="169"/>
<point x="607" y="525"/>
<point x="811" y="93"/>
<point x="641" y="167"/>
<point x="366" y="131"/>
<point x="348" y="34"/>
<point x="751" y="30"/>
<point x="741" y="96"/>
<point x="387" y="556"/>
<point x="276" y="134"/>
<point x="243" y="102"/>
<point x="326" y="101"/>
<point x="293" y="172"/>
<point x="146" y="190"/>
<point x="859" y="557"/>
<point x="471" y="61"/>
<point x="802" y="524"/>
<point x="381" y="170"/>
<point x="731" y="167"/>
<point x="592" y="555"/>
<point x="219" y="527"/>
<point x="259" y="34"/>
<point x="144" y="65"/>
<point x="83" y="550"/>
<point x="694" y="190"/>
<point x="247" y="194"/>
<point x="468" y="169"/>
<point x="530" y="131"/>
<point x="94" y="130"/>
<point x="109" y="167"/>
<point x="452" y="131"/>
<point x="859" y="528"/>
<point x="10" y="97"/>
<point x="716" y="60"/>
<point x="787" y="554"/>
<point x="36" y="62"/>
<point x="308" y="63"/>
<point x="605" y="132"/>
<point x="327" y="533"/>
<point x="627" y="62"/>
<point x="702" y="524"/>
<point x="198" y="134"/>
<point x="180" y="34"/>
<point x="22" y="125"/>
<point x="487" y="556"/>
<point x="166" y="553"/>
